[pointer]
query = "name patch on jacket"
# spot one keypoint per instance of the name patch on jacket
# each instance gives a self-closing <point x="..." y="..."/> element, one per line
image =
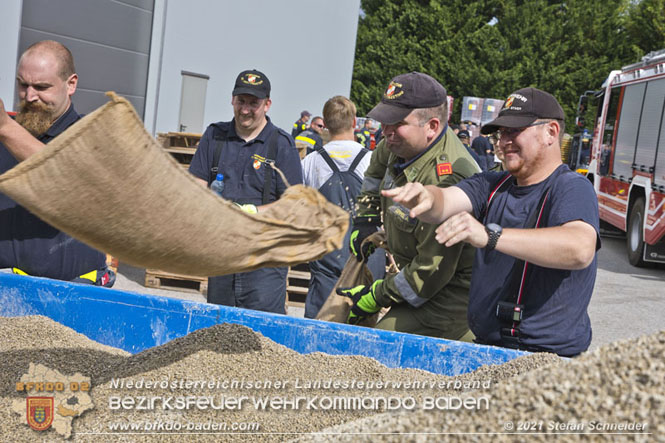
<point x="444" y="169"/>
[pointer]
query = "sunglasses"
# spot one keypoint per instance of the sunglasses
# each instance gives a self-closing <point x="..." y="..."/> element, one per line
<point x="319" y="125"/>
<point x="514" y="132"/>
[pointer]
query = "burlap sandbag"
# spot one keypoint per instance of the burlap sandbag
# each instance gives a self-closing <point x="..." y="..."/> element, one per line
<point x="107" y="182"/>
<point x="337" y="307"/>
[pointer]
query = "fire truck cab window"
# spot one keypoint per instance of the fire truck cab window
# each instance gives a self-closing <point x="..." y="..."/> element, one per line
<point x="629" y="123"/>
<point x="659" y="172"/>
<point x="650" y="124"/>
<point x="608" y="131"/>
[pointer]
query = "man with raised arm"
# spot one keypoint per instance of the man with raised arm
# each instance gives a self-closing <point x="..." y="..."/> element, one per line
<point x="536" y="229"/>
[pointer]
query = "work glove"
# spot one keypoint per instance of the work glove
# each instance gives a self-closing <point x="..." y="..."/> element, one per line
<point x="363" y="227"/>
<point x="364" y="301"/>
<point x="248" y="208"/>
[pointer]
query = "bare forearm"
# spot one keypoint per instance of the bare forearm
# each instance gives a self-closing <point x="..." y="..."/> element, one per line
<point x="571" y="246"/>
<point x="430" y="203"/>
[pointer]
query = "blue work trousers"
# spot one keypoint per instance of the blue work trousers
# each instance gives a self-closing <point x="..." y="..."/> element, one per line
<point x="261" y="290"/>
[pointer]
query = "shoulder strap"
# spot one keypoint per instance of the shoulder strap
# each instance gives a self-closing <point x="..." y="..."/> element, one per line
<point x="270" y="161"/>
<point x="356" y="161"/>
<point x="219" y="138"/>
<point x="503" y="184"/>
<point x="510" y="309"/>
<point x="324" y="154"/>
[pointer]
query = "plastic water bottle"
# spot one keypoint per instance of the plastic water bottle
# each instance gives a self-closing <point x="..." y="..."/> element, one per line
<point x="218" y="185"/>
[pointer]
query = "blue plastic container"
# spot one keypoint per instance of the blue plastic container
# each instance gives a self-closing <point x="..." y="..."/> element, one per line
<point x="135" y="322"/>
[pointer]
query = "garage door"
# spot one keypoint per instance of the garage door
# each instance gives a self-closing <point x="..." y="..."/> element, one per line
<point x="110" y="41"/>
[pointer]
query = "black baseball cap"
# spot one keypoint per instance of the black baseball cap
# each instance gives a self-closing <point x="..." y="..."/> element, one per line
<point x="405" y="93"/>
<point x="464" y="133"/>
<point x="252" y="82"/>
<point x="524" y="107"/>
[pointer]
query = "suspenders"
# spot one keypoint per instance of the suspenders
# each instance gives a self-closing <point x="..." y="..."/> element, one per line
<point x="220" y="139"/>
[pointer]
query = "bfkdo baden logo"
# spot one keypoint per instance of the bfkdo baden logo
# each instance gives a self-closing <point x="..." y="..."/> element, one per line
<point x="40" y="412"/>
<point x="52" y="399"/>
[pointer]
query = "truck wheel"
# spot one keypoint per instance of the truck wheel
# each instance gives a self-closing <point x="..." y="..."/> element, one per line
<point x="634" y="236"/>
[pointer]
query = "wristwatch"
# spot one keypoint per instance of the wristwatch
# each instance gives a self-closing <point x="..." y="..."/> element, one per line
<point x="493" y="233"/>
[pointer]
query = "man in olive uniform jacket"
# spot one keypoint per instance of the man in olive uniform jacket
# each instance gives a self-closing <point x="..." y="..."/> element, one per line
<point x="429" y="296"/>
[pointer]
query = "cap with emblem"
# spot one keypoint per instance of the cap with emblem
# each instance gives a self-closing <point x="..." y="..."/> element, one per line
<point x="405" y="93"/>
<point x="524" y="107"/>
<point x="252" y="82"/>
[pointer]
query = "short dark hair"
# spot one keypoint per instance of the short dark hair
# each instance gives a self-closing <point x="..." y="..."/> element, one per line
<point x="440" y="112"/>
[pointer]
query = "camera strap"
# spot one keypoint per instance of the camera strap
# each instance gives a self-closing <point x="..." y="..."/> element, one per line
<point x="510" y="309"/>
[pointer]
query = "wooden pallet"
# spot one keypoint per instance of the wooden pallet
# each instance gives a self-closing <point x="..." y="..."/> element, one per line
<point x="297" y="284"/>
<point x="181" y="145"/>
<point x="178" y="139"/>
<point x="157" y="279"/>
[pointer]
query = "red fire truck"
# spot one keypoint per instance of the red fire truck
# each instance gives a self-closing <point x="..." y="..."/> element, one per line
<point x="627" y="158"/>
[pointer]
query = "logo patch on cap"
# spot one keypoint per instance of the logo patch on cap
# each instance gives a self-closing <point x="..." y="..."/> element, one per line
<point x="252" y="79"/>
<point x="394" y="91"/>
<point x="444" y="169"/>
<point x="509" y="102"/>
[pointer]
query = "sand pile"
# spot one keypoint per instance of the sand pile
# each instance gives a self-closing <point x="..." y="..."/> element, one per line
<point x="266" y="392"/>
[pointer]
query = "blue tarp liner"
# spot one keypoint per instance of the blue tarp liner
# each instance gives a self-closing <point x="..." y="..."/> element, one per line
<point x="135" y="322"/>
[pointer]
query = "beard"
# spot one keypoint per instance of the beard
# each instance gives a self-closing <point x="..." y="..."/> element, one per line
<point x="35" y="117"/>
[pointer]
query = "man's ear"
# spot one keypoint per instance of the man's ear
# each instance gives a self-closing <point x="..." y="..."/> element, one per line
<point x="433" y="126"/>
<point x="72" y="82"/>
<point x="553" y="129"/>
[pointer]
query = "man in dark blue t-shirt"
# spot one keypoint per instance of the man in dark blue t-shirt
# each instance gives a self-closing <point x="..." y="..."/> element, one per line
<point x="536" y="230"/>
<point x="246" y="146"/>
<point x="46" y="81"/>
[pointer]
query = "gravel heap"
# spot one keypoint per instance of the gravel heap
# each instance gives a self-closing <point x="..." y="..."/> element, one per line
<point x="619" y="382"/>
<point x="584" y="399"/>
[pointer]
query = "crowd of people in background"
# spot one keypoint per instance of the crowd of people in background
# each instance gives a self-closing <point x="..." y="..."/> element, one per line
<point x="487" y="243"/>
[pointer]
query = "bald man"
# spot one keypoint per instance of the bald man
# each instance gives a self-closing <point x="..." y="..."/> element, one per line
<point x="46" y="80"/>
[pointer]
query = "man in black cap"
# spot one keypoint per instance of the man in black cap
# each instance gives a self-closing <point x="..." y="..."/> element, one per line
<point x="243" y="151"/>
<point x="301" y="124"/>
<point x="464" y="137"/>
<point x="535" y="227"/>
<point x="429" y="295"/>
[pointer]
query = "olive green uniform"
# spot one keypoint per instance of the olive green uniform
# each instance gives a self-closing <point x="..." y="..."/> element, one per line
<point x="431" y="291"/>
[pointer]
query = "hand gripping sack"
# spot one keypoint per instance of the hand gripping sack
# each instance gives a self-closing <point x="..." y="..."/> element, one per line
<point x="106" y="182"/>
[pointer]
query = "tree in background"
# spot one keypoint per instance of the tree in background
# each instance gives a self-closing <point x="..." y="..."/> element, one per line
<point x="646" y="25"/>
<point x="489" y="48"/>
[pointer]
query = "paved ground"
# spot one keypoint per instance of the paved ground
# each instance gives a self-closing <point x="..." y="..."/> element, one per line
<point x="627" y="301"/>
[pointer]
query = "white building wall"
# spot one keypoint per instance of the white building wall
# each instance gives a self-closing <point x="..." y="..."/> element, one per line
<point x="10" y="27"/>
<point x="305" y="47"/>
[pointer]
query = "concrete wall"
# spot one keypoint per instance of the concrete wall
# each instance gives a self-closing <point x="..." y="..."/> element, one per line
<point x="305" y="47"/>
<point x="110" y="41"/>
<point x="10" y="25"/>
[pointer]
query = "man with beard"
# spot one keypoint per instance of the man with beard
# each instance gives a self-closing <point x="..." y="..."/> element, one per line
<point x="429" y="295"/>
<point x="536" y="229"/>
<point x="46" y="80"/>
<point x="243" y="151"/>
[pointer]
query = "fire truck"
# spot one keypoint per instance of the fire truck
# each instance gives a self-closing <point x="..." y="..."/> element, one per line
<point x="627" y="155"/>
